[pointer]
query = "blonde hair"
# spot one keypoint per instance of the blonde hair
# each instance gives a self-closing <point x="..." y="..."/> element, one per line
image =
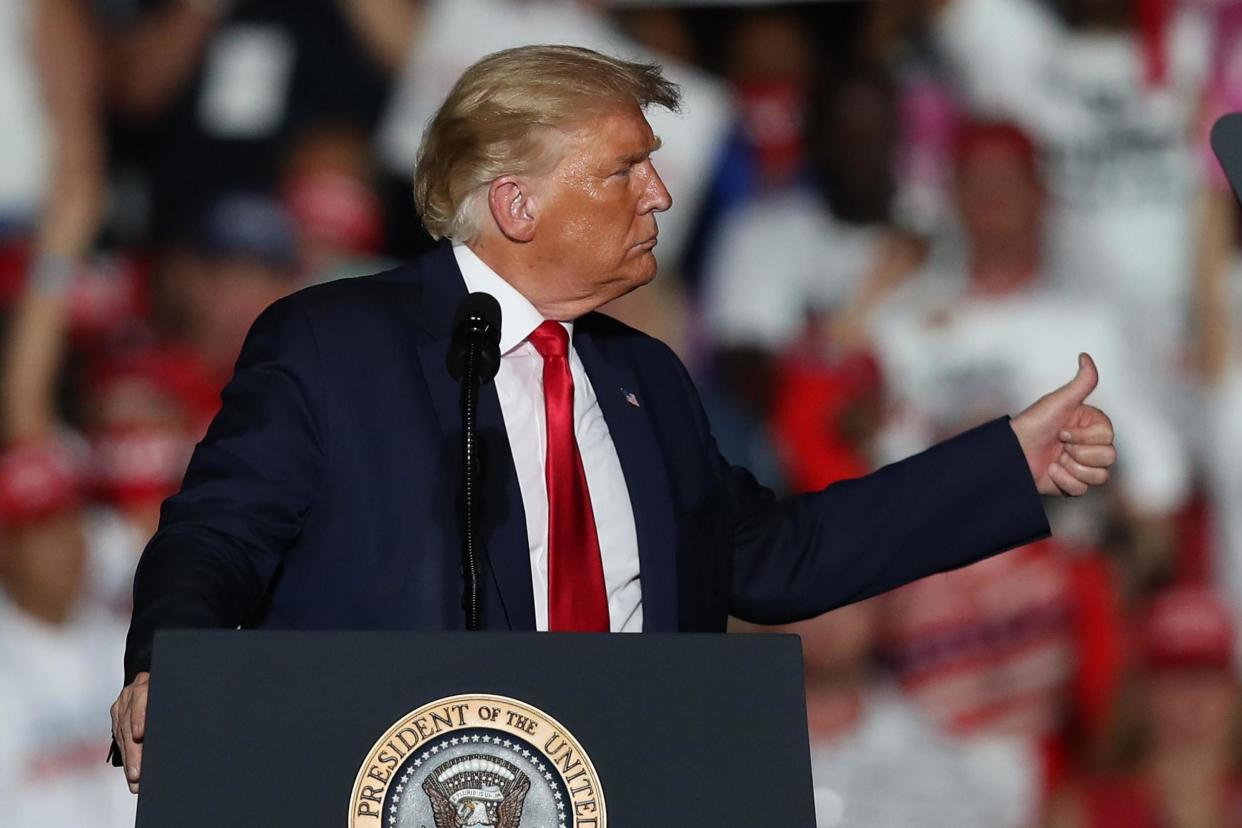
<point x="498" y="119"/>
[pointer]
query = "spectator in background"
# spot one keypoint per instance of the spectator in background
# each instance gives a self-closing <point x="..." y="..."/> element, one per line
<point x="785" y="258"/>
<point x="796" y="268"/>
<point x="662" y="29"/>
<point x="216" y="89"/>
<point x="826" y="412"/>
<point x="1017" y="659"/>
<point x="51" y="143"/>
<point x="245" y="256"/>
<point x="875" y="760"/>
<point x="981" y="334"/>
<point x="328" y="190"/>
<point x="144" y="401"/>
<point x="1185" y="775"/>
<point x="41" y="477"/>
<point x="1017" y="656"/>
<point x="770" y="67"/>
<point x="57" y="650"/>
<point x="58" y="653"/>
<point x="929" y="111"/>
<point x="145" y="407"/>
<point x="1111" y="91"/>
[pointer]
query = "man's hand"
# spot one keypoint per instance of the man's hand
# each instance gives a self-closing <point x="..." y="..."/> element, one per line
<point x="129" y="726"/>
<point x="1068" y="444"/>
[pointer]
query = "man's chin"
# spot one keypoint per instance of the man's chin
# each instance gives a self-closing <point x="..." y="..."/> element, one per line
<point x="641" y="276"/>
<point x="648" y="273"/>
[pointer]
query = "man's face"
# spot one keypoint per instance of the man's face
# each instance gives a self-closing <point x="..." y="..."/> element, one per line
<point x="1192" y="707"/>
<point x="997" y="196"/>
<point x="224" y="301"/>
<point x="596" y="225"/>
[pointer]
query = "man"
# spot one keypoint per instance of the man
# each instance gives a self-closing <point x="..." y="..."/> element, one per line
<point x="1112" y="93"/>
<point x="1186" y="706"/>
<point x="450" y="38"/>
<point x="970" y="337"/>
<point x="322" y="496"/>
<point x="58" y="648"/>
<point x="875" y="759"/>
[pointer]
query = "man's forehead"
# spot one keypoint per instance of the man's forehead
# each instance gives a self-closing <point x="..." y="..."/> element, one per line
<point x="617" y="135"/>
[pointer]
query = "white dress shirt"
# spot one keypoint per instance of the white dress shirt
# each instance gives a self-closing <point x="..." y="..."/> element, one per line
<point x="519" y="384"/>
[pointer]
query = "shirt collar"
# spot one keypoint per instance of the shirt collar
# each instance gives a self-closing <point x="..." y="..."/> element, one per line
<point x="518" y="317"/>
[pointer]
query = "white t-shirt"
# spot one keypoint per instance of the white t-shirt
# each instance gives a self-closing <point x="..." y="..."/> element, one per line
<point x="456" y="33"/>
<point x="1119" y="155"/>
<point x="951" y="361"/>
<point x="56" y="684"/>
<point x="895" y="769"/>
<point x="777" y="258"/>
<point x="23" y="140"/>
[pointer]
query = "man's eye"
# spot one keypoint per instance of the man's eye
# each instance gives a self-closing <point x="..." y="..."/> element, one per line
<point x="624" y="172"/>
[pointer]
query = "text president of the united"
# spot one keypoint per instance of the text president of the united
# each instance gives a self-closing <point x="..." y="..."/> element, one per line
<point x="323" y="494"/>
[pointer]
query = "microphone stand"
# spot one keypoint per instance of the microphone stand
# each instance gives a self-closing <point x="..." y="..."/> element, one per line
<point x="470" y="482"/>
<point x="473" y="359"/>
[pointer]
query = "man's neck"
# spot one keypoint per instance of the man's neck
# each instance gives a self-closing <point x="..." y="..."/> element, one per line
<point x="532" y="279"/>
<point x="46" y="609"/>
<point x="1000" y="270"/>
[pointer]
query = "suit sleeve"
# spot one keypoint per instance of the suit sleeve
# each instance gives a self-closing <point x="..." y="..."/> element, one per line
<point x="952" y="505"/>
<point x="248" y="486"/>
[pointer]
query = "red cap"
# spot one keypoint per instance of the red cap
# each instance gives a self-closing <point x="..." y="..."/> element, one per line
<point x="1153" y="23"/>
<point x="336" y="208"/>
<point x="167" y="370"/>
<point x="1187" y="626"/>
<point x="976" y="135"/>
<point x="38" y="479"/>
<point x="135" y="464"/>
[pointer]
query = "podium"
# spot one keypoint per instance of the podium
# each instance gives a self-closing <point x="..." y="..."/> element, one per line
<point x="499" y="730"/>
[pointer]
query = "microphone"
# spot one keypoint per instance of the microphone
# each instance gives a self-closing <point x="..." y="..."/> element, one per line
<point x="476" y="322"/>
<point x="473" y="359"/>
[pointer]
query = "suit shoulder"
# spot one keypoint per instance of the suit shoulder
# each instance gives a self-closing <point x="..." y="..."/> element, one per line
<point x="612" y="333"/>
<point x="356" y="290"/>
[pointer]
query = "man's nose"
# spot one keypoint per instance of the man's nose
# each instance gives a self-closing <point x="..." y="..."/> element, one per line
<point x="656" y="198"/>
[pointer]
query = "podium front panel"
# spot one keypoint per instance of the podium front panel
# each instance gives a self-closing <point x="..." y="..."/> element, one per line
<point x="261" y="728"/>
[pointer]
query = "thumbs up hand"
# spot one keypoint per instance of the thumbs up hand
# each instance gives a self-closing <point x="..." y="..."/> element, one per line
<point x="1068" y="444"/>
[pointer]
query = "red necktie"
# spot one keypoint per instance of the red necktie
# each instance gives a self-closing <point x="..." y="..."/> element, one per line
<point x="577" y="598"/>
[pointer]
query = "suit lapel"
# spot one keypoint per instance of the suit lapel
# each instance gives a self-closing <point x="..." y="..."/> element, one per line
<point x="634" y="437"/>
<point x="502" y="514"/>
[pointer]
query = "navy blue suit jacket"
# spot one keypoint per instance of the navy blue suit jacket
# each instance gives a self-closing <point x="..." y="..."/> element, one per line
<point x="323" y="495"/>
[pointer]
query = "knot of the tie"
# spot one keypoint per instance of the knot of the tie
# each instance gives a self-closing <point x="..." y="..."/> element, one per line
<point x="551" y="339"/>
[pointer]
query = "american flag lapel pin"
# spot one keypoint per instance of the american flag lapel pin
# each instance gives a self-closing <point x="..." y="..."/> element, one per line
<point x="631" y="398"/>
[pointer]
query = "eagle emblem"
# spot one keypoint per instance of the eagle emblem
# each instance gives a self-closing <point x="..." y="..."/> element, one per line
<point x="477" y="790"/>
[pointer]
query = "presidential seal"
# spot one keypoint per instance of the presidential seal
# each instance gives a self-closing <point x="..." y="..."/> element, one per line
<point x="477" y="760"/>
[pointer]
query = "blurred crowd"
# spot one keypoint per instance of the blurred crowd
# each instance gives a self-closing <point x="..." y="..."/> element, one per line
<point x="893" y="219"/>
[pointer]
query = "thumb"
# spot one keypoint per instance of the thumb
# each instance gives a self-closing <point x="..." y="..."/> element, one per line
<point x="1084" y="382"/>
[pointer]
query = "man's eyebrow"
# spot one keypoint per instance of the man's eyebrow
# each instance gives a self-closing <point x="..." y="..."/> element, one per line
<point x="635" y="157"/>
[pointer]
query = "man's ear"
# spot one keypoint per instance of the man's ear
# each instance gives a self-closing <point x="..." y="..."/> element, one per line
<point x="511" y="202"/>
